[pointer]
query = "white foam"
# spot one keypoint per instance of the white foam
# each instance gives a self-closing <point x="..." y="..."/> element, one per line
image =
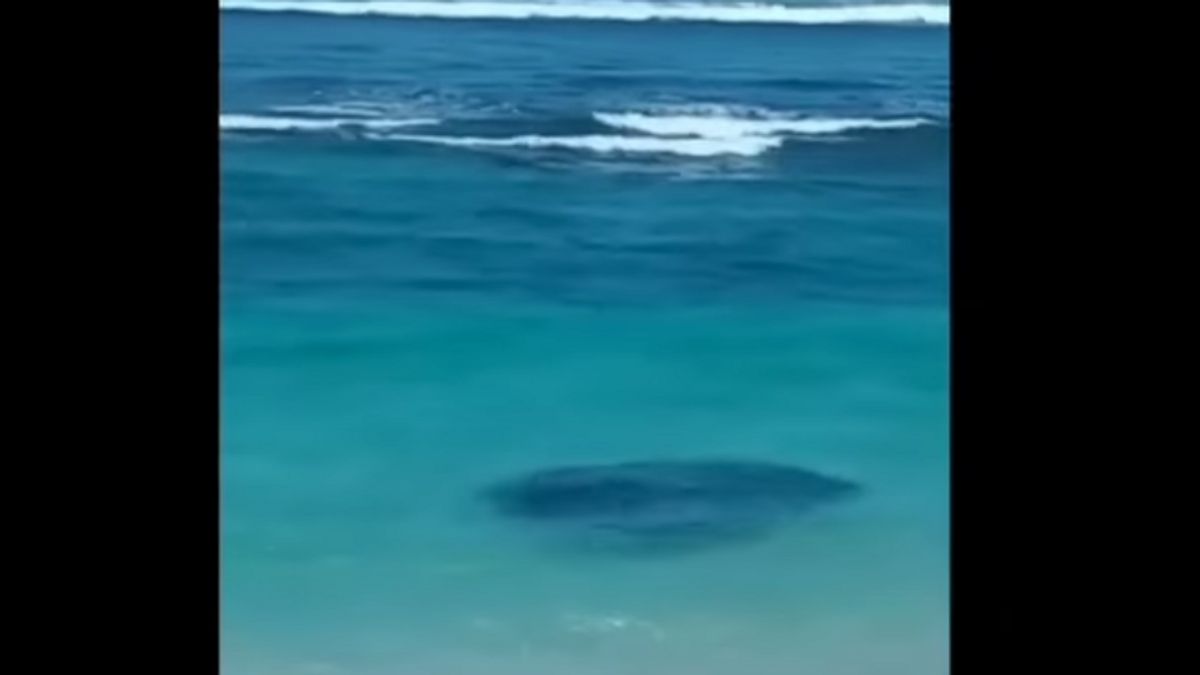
<point x="690" y="130"/>
<point x="614" y="10"/>
<point x="237" y="122"/>
<point x="726" y="126"/>
<point x="688" y="147"/>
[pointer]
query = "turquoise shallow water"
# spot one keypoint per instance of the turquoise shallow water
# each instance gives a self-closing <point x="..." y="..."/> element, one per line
<point x="407" y="321"/>
<point x="353" y="449"/>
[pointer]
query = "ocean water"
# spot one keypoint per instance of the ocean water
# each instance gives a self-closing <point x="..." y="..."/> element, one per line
<point x="463" y="241"/>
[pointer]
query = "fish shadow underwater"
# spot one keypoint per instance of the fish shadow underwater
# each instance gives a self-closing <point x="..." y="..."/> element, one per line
<point x="664" y="507"/>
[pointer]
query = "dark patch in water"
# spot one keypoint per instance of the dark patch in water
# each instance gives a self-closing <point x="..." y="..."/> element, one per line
<point x="666" y="506"/>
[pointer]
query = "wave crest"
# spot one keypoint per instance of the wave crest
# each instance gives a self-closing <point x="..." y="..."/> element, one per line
<point x="696" y="130"/>
<point x="723" y="126"/>
<point x="687" y="147"/>
<point x="238" y="122"/>
<point x="614" y="10"/>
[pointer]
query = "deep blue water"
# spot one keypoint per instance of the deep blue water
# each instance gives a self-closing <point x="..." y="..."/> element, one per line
<point x="458" y="250"/>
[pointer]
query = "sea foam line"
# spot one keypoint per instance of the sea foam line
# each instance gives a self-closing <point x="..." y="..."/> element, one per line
<point x="239" y="122"/>
<point x="687" y="147"/>
<point x="710" y="126"/>
<point x="613" y="10"/>
<point x="716" y="134"/>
